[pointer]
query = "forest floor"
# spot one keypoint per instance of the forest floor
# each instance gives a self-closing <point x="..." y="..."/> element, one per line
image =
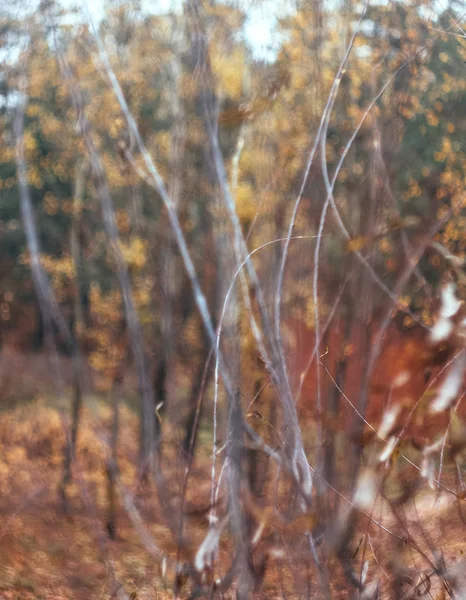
<point x="47" y="554"/>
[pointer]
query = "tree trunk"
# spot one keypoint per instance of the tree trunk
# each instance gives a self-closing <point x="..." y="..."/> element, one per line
<point x="50" y="311"/>
<point x="112" y="467"/>
<point x="148" y="423"/>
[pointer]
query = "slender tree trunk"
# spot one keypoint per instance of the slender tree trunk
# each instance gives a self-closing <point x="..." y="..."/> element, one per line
<point x="148" y="422"/>
<point x="190" y="437"/>
<point x="330" y="471"/>
<point x="227" y="259"/>
<point x="237" y="472"/>
<point x="365" y="315"/>
<point x="210" y="244"/>
<point x="112" y="468"/>
<point x="163" y="384"/>
<point x="51" y="315"/>
<point x="257" y="462"/>
<point x="78" y="329"/>
<point x="268" y="344"/>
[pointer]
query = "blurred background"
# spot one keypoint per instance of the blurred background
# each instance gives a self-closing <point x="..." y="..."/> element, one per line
<point x="232" y="239"/>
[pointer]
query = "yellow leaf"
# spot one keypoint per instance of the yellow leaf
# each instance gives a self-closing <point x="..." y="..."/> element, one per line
<point x="358" y="243"/>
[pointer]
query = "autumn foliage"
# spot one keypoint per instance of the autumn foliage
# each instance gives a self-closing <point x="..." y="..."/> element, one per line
<point x="232" y="320"/>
